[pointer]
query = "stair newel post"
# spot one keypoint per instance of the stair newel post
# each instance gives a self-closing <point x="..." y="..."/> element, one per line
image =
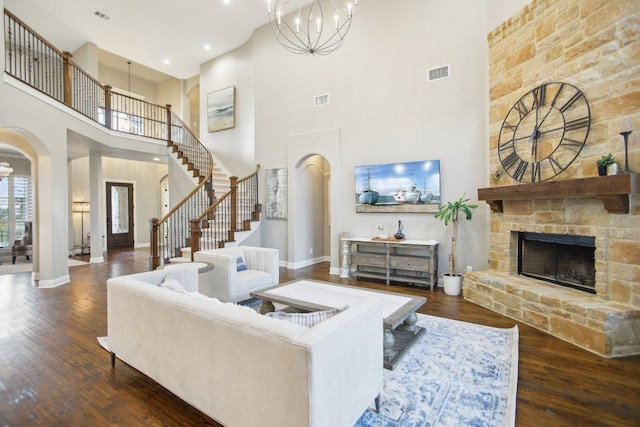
<point x="234" y="203"/>
<point x="67" y="75"/>
<point x="107" y="106"/>
<point x="154" y="258"/>
<point x="194" y="241"/>
<point x="168" y="106"/>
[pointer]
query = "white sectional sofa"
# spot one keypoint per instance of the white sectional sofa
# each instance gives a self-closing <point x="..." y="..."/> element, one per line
<point x="231" y="285"/>
<point x="242" y="368"/>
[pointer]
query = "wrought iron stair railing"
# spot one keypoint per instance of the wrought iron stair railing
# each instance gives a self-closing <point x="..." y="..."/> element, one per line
<point x="232" y="212"/>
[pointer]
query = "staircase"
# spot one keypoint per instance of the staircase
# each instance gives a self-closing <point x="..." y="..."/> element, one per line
<point x="201" y="220"/>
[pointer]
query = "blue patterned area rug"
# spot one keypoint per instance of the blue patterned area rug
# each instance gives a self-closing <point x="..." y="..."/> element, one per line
<point x="458" y="374"/>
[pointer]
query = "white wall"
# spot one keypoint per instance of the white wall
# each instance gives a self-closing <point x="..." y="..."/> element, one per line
<point x="86" y="57"/>
<point x="382" y="105"/>
<point x="499" y="11"/>
<point x="235" y="148"/>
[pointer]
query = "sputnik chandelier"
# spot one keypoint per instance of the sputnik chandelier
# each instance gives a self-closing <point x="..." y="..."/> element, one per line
<point x="304" y="30"/>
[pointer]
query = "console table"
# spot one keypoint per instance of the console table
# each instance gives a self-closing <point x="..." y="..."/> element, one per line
<point x="408" y="261"/>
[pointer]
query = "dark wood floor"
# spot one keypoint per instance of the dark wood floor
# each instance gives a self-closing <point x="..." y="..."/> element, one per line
<point x="54" y="373"/>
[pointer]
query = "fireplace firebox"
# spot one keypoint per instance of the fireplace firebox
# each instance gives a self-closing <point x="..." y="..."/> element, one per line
<point x="565" y="260"/>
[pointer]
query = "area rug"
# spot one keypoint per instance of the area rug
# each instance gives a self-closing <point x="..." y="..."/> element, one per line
<point x="23" y="266"/>
<point x="458" y="374"/>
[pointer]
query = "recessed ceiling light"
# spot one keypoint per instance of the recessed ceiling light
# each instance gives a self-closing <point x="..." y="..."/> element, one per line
<point x="166" y="61"/>
<point x="207" y="47"/>
<point x="156" y="159"/>
<point x="226" y="1"/>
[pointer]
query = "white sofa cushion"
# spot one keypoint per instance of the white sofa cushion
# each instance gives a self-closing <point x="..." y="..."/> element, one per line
<point x="252" y="279"/>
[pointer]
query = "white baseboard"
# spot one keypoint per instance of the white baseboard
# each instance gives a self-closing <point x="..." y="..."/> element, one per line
<point x="305" y="263"/>
<point x="142" y="245"/>
<point x="96" y="260"/>
<point x="54" y="282"/>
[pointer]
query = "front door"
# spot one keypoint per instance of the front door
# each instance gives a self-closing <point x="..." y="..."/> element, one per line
<point x="119" y="215"/>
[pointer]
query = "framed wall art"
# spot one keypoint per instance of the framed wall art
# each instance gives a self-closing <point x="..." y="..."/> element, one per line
<point x="276" y="181"/>
<point x="221" y="109"/>
<point x="398" y="187"/>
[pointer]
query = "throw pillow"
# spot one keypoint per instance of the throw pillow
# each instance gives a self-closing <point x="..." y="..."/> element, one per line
<point x="170" y="282"/>
<point x="242" y="266"/>
<point x="305" y="319"/>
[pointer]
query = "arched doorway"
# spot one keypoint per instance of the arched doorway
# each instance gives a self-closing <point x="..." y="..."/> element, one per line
<point x="311" y="204"/>
<point x="301" y="153"/>
<point x="27" y="147"/>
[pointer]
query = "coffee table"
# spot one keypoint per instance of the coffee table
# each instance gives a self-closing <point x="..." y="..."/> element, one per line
<point x="398" y="310"/>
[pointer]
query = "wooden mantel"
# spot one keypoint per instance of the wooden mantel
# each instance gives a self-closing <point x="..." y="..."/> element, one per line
<point x="613" y="190"/>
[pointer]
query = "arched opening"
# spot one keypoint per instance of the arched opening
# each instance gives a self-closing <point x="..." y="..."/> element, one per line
<point x="30" y="158"/>
<point x="311" y="155"/>
<point x="311" y="200"/>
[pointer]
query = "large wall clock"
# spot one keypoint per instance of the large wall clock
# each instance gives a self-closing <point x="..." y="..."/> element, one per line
<point x="544" y="132"/>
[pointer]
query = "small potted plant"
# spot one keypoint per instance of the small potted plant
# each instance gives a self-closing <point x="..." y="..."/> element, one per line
<point x="449" y="212"/>
<point x="604" y="163"/>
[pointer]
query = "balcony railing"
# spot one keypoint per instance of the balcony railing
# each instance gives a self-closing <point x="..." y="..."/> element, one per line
<point x="36" y="62"/>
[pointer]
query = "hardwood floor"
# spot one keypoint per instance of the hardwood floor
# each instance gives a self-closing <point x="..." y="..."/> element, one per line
<point x="54" y="373"/>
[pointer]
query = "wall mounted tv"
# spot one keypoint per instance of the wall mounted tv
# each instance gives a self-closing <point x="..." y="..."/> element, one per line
<point x="398" y="187"/>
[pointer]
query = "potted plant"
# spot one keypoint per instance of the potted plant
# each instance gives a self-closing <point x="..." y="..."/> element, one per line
<point x="604" y="163"/>
<point x="449" y="212"/>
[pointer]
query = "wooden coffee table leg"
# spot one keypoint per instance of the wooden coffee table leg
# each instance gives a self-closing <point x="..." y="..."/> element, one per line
<point x="409" y="323"/>
<point x="388" y="342"/>
<point x="266" y="307"/>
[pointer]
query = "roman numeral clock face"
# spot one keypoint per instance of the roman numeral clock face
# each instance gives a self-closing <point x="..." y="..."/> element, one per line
<point x="544" y="132"/>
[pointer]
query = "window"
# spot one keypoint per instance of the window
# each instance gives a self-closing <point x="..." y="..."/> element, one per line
<point x="22" y="202"/>
<point x="16" y="207"/>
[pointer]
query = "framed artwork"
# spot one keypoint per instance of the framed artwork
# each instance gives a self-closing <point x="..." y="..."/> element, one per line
<point x="398" y="187"/>
<point x="221" y="109"/>
<point x="277" y="193"/>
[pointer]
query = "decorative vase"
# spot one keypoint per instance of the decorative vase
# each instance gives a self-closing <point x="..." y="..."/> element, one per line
<point x="399" y="235"/>
<point x="452" y="284"/>
<point x="602" y="170"/>
<point x="612" y="169"/>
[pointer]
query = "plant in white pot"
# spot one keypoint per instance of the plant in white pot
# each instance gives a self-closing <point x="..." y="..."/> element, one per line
<point x="449" y="212"/>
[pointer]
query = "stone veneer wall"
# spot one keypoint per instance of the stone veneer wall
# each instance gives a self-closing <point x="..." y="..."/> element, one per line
<point x="594" y="45"/>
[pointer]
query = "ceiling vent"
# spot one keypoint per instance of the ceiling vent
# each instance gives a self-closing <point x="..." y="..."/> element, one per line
<point x="102" y="15"/>
<point x="438" y="73"/>
<point x="321" y="100"/>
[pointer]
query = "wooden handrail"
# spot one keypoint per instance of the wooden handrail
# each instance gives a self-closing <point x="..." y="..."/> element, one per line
<point x="31" y="30"/>
<point x="225" y="208"/>
<point x="246" y="178"/>
<point x="227" y="194"/>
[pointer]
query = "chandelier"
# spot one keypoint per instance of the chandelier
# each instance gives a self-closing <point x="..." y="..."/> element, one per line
<point x="5" y="170"/>
<point x="307" y="32"/>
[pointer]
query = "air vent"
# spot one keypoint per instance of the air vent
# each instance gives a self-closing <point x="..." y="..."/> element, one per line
<point x="321" y="100"/>
<point x="438" y="73"/>
<point x="101" y="15"/>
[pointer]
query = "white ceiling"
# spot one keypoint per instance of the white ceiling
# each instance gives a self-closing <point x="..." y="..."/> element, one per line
<point x="146" y="31"/>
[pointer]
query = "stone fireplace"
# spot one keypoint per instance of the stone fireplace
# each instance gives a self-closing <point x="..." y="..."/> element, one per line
<point x="592" y="46"/>
<point x="599" y="218"/>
